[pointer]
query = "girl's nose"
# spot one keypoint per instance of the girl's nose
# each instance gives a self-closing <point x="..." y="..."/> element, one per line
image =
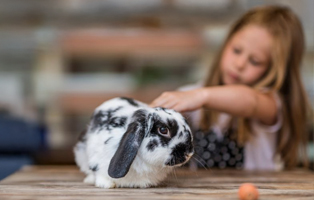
<point x="240" y="62"/>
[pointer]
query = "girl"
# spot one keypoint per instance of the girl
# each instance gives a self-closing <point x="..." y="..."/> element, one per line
<point x="254" y="88"/>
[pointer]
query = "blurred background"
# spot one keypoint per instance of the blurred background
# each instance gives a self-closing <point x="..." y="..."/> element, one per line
<point x="59" y="59"/>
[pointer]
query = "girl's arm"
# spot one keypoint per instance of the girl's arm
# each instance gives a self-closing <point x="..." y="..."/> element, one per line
<point x="237" y="100"/>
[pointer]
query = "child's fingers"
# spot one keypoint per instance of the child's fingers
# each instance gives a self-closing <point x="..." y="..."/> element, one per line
<point x="169" y="104"/>
<point x="166" y="100"/>
<point x="158" y="102"/>
<point x="179" y="108"/>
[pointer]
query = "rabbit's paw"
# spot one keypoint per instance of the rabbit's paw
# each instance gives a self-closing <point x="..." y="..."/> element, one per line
<point x="102" y="182"/>
<point x="89" y="179"/>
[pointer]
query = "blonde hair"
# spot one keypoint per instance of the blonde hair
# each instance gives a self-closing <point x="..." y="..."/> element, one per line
<point x="283" y="76"/>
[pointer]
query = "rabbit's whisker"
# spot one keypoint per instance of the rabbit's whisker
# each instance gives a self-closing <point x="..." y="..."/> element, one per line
<point x="175" y="175"/>
<point x="200" y="163"/>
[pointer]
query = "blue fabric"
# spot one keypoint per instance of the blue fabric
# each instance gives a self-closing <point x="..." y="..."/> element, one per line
<point x="11" y="163"/>
<point x="17" y="135"/>
<point x="19" y="139"/>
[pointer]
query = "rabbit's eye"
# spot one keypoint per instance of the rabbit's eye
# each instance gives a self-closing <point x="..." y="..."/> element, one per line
<point x="163" y="131"/>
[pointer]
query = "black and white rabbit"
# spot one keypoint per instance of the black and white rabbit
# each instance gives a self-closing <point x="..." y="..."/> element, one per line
<point x="129" y="144"/>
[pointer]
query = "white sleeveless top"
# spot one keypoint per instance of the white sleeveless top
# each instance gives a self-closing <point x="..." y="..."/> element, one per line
<point x="260" y="150"/>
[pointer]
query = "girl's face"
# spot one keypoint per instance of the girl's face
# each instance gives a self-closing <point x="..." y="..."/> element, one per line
<point x="246" y="56"/>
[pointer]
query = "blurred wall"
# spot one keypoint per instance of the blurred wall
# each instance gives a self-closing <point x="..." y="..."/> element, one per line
<point x="61" y="58"/>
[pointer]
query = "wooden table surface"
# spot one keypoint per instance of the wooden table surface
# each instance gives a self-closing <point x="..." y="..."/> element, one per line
<point x="65" y="182"/>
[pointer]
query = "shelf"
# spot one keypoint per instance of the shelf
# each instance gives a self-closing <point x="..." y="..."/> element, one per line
<point x="131" y="42"/>
<point x="81" y="103"/>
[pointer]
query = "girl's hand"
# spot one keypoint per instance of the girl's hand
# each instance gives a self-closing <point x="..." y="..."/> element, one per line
<point x="181" y="101"/>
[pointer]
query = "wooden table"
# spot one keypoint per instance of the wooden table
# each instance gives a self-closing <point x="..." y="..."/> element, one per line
<point x="65" y="182"/>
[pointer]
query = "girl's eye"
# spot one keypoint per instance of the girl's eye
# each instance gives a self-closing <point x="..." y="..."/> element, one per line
<point x="163" y="131"/>
<point x="236" y="50"/>
<point x="254" y="62"/>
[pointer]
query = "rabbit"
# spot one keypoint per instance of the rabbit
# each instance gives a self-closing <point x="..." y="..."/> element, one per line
<point x="129" y="144"/>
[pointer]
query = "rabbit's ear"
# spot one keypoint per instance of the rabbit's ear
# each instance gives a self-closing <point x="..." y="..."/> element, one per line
<point x="129" y="144"/>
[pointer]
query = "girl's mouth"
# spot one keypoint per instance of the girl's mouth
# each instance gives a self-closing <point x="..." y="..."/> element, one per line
<point x="234" y="76"/>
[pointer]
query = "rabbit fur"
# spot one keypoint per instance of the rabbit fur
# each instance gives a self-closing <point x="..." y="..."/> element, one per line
<point x="129" y="144"/>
